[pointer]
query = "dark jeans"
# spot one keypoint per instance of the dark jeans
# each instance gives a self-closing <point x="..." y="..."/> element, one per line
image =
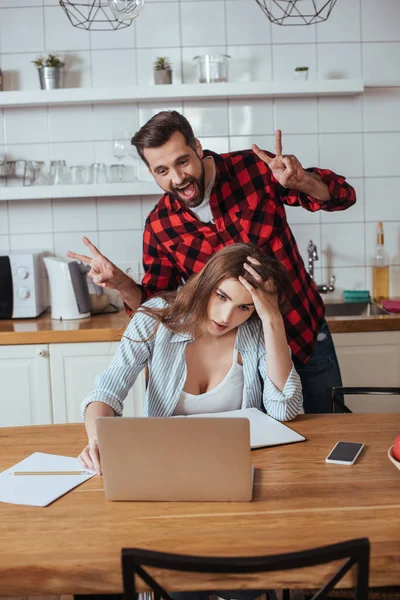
<point x="319" y="373"/>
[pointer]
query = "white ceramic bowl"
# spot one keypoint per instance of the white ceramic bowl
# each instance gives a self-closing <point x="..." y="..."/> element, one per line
<point x="392" y="458"/>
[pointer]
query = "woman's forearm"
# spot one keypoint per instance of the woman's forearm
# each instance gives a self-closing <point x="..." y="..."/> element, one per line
<point x="279" y="362"/>
<point x="96" y="409"/>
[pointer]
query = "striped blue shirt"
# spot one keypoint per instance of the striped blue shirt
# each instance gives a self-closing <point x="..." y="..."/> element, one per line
<point x="164" y="354"/>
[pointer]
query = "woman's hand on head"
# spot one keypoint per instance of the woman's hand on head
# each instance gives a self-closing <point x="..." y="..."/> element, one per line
<point x="90" y="456"/>
<point x="265" y="297"/>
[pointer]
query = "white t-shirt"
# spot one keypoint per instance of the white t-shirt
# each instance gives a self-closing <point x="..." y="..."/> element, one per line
<point x="203" y="211"/>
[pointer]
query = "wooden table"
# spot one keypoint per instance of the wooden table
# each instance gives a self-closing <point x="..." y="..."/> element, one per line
<point x="73" y="546"/>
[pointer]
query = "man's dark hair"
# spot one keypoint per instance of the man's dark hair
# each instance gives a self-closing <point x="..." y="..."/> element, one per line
<point x="159" y="129"/>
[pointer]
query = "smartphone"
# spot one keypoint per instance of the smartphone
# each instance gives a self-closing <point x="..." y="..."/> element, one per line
<point x="345" y="453"/>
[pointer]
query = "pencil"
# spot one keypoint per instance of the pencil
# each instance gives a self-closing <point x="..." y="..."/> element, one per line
<point x="49" y="472"/>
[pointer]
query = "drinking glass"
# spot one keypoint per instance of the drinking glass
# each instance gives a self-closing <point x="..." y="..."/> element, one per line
<point x="59" y="174"/>
<point x="79" y="174"/>
<point x="99" y="173"/>
<point x="39" y="176"/>
<point x="119" y="149"/>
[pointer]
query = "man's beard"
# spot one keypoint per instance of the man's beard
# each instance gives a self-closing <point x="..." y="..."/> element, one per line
<point x="199" y="182"/>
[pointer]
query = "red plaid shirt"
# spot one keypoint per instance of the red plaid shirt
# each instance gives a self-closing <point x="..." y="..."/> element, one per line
<point x="247" y="204"/>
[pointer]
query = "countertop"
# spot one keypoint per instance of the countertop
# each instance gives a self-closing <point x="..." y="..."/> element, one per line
<point x="45" y="330"/>
<point x="109" y="328"/>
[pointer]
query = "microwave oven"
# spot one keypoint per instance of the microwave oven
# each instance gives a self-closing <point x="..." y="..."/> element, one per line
<point x="24" y="287"/>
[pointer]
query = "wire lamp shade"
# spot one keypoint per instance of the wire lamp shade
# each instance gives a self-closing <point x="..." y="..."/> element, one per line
<point x="296" y="12"/>
<point x="95" y="15"/>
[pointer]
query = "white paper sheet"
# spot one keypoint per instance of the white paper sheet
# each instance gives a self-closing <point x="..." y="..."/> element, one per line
<point x="264" y="430"/>
<point x="41" y="490"/>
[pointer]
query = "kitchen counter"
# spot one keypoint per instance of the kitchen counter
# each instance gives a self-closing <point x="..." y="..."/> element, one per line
<point x="109" y="328"/>
<point x="45" y="330"/>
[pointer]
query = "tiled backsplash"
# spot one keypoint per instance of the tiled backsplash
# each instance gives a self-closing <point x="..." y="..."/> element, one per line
<point x="357" y="136"/>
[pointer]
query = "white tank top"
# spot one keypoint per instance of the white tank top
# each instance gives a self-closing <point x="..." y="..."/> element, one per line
<point x="228" y="395"/>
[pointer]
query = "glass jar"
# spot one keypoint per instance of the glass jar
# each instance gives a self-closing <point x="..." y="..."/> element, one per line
<point x="212" y="68"/>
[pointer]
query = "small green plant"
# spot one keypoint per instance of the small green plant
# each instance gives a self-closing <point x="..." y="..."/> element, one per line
<point x="50" y="61"/>
<point x="301" y="69"/>
<point x="162" y="63"/>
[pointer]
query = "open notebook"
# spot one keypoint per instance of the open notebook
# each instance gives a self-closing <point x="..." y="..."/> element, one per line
<point x="41" y="490"/>
<point x="264" y="430"/>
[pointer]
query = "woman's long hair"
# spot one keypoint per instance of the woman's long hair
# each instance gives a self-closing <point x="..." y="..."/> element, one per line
<point x="186" y="309"/>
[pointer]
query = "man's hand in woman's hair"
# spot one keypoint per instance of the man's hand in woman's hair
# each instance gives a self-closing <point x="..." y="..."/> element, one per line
<point x="265" y="297"/>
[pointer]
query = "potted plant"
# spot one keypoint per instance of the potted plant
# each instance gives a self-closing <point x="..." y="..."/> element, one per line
<point x="51" y="72"/>
<point x="301" y="73"/>
<point x="162" y="70"/>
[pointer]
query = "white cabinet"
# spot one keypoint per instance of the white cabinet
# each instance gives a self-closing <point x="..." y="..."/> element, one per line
<point x="46" y="383"/>
<point x="73" y="371"/>
<point x="43" y="383"/>
<point x="370" y="359"/>
<point x="25" y="394"/>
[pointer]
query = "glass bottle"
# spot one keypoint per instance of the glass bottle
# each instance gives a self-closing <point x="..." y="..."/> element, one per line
<point x="380" y="269"/>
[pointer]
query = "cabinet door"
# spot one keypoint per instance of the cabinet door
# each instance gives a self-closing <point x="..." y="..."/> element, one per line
<point x="370" y="359"/>
<point x="25" y="385"/>
<point x="73" y="371"/>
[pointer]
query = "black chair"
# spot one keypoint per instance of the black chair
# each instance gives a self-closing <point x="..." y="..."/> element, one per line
<point x="354" y="552"/>
<point x="336" y="395"/>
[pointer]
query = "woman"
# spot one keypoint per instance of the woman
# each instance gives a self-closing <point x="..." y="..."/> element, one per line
<point x="216" y="344"/>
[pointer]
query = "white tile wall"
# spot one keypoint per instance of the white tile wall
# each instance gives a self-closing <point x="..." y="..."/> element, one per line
<point x="116" y="214"/>
<point x="28" y="217"/>
<point x="208" y="118"/>
<point x="244" y="21"/>
<point x="21" y="30"/>
<point x="380" y="21"/>
<point x="4" y="243"/>
<point x="339" y="61"/>
<point x="250" y="63"/>
<point x="67" y="219"/>
<point x="286" y="57"/>
<point x="253" y="117"/>
<point x="70" y="123"/>
<point x="343" y="24"/>
<point x="3" y="219"/>
<point x="296" y="115"/>
<point x="60" y="35"/>
<point x="159" y="26"/>
<point x="113" y="68"/>
<point x="357" y="136"/>
<point x="199" y="28"/>
<point x="21" y="125"/>
<point x="304" y="146"/>
<point x="19" y="72"/>
<point x="381" y="109"/>
<point x="73" y="241"/>
<point x="340" y="114"/>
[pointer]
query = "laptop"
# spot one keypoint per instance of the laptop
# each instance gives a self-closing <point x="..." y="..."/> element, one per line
<point x="175" y="459"/>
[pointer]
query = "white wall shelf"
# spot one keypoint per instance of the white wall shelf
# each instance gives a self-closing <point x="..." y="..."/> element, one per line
<point x="185" y="91"/>
<point x="79" y="191"/>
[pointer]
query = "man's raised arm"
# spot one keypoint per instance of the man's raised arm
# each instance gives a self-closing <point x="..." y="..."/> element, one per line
<point x="107" y="275"/>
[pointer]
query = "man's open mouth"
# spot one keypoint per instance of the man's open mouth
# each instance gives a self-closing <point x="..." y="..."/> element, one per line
<point x="188" y="191"/>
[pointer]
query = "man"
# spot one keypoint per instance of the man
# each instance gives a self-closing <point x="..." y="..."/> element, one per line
<point x="212" y="200"/>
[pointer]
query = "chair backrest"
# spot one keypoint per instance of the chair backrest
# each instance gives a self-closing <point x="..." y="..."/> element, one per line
<point x="336" y="395"/>
<point x="354" y="552"/>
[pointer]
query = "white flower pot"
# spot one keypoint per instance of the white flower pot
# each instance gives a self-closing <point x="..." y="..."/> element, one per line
<point x="301" y="75"/>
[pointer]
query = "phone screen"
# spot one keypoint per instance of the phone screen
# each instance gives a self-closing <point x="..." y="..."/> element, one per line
<point x="345" y="451"/>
